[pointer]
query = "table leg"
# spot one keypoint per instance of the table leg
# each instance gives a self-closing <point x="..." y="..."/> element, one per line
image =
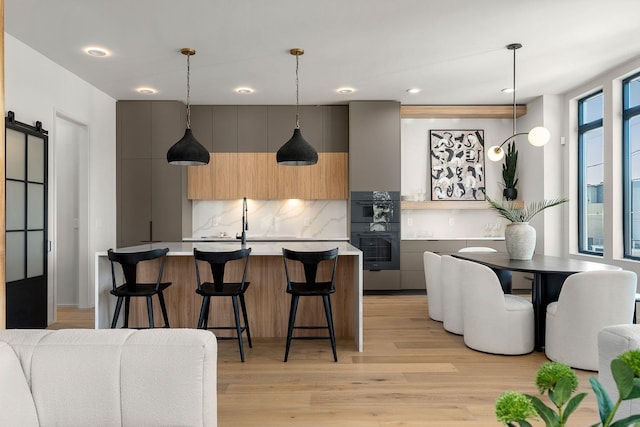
<point x="546" y="289"/>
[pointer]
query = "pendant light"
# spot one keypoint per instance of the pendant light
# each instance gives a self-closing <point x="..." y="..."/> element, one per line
<point x="188" y="151"/>
<point x="538" y="136"/>
<point x="297" y="151"/>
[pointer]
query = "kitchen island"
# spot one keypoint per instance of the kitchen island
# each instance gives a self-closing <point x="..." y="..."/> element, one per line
<point x="267" y="301"/>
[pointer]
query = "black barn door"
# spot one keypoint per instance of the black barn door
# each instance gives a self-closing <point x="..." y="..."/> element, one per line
<point x="26" y="224"/>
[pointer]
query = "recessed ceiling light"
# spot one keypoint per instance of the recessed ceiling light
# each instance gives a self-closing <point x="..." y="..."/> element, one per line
<point x="146" y="90"/>
<point x="244" y="90"/>
<point x="97" y="51"/>
<point x="414" y="90"/>
<point x="345" y="90"/>
<point x="507" y="90"/>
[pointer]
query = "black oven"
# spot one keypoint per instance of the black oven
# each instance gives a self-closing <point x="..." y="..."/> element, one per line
<point x="380" y="249"/>
<point x="375" y="228"/>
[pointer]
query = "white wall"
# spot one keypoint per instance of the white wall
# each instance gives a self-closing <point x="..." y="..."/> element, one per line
<point x="454" y="223"/>
<point x="37" y="89"/>
<point x="611" y="85"/>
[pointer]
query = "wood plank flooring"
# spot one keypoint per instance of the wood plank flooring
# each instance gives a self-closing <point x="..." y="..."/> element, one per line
<point x="411" y="373"/>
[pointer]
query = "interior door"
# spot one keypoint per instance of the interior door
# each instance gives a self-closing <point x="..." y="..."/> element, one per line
<point x="26" y="224"/>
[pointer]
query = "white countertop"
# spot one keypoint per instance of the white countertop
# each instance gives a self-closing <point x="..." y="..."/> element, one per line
<point x="251" y="238"/>
<point x="257" y="248"/>
<point x="454" y="238"/>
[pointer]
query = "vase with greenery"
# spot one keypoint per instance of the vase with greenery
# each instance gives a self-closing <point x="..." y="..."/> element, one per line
<point x="510" y="173"/>
<point x="559" y="381"/>
<point x="519" y="236"/>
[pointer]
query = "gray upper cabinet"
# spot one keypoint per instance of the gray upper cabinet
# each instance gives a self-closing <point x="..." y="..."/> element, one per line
<point x="374" y="146"/>
<point x="282" y="122"/>
<point x="335" y="125"/>
<point x="202" y="125"/>
<point x="149" y="199"/>
<point x="168" y="122"/>
<point x="225" y="129"/>
<point x="252" y="129"/>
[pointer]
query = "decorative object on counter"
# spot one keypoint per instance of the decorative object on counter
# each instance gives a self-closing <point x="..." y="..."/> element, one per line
<point x="510" y="172"/>
<point x="297" y="151"/>
<point x="188" y="151"/>
<point x="457" y="164"/>
<point x="519" y="236"/>
<point x="538" y="136"/>
<point x="559" y="381"/>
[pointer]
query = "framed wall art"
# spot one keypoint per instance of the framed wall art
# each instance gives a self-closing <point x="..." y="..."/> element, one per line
<point x="457" y="164"/>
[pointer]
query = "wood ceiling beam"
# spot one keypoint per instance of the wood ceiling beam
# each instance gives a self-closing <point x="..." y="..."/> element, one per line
<point x="461" y="111"/>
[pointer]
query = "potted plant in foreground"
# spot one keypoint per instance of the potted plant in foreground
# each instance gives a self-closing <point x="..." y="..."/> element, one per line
<point x="519" y="236"/>
<point x="559" y="381"/>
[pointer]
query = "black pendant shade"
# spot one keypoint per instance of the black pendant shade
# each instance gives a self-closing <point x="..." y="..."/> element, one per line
<point x="297" y="151"/>
<point x="188" y="152"/>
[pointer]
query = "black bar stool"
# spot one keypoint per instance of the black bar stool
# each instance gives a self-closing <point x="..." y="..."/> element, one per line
<point x="310" y="287"/>
<point x="131" y="288"/>
<point x="218" y="288"/>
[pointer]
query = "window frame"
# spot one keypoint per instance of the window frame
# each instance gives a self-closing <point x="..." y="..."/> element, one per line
<point x="627" y="114"/>
<point x="583" y="128"/>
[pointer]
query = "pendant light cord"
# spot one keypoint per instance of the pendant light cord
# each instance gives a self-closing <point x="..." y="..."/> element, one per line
<point x="188" y="92"/>
<point x="514" y="91"/>
<point x="297" y="95"/>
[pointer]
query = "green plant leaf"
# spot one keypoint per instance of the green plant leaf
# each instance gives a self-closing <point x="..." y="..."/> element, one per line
<point x="623" y="376"/>
<point x="605" y="406"/>
<point x="547" y="414"/>
<point x="635" y="391"/>
<point x="573" y="404"/>
<point x="524" y="423"/>
<point x="625" y="422"/>
<point x="562" y="392"/>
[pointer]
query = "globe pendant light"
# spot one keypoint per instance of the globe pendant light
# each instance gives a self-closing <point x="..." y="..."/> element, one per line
<point x="188" y="151"/>
<point x="297" y="151"/>
<point x="538" y="136"/>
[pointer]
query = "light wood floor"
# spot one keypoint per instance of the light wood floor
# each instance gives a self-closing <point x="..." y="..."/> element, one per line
<point x="411" y="373"/>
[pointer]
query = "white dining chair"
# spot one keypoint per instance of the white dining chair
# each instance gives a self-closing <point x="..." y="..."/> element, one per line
<point x="494" y="322"/>
<point x="477" y="249"/>
<point x="451" y="294"/>
<point x="588" y="302"/>
<point x="434" y="287"/>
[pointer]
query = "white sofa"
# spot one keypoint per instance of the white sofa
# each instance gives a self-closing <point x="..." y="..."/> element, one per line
<point x="112" y="377"/>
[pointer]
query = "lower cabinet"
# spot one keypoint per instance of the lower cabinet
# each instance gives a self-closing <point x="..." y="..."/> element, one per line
<point x="412" y="264"/>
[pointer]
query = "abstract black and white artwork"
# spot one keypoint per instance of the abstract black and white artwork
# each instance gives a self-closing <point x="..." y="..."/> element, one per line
<point x="457" y="164"/>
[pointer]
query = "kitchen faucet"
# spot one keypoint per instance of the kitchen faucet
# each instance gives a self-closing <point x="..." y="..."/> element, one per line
<point x="245" y="223"/>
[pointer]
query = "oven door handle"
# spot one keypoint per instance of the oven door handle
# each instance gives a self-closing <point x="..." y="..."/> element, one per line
<point x="375" y="233"/>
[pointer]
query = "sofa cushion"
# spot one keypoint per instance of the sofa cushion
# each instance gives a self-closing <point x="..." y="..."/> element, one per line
<point x="153" y="396"/>
<point x="14" y="392"/>
<point x="75" y="377"/>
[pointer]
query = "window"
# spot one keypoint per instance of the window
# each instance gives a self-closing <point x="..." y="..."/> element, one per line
<point x="591" y="175"/>
<point x="631" y="139"/>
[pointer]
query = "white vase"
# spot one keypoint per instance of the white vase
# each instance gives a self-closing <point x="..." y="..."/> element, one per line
<point x="520" y="239"/>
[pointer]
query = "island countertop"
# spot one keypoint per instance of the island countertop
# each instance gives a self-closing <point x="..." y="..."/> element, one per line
<point x="267" y="302"/>
<point x="257" y="248"/>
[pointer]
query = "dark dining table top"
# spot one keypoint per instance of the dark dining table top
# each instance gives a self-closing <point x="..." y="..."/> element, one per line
<point x="539" y="263"/>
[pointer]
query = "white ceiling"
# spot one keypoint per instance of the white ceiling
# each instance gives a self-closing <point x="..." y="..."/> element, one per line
<point x="454" y="50"/>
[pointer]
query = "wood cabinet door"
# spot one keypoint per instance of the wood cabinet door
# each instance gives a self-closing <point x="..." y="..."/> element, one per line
<point x="224" y="176"/>
<point x="200" y="182"/>
<point x="329" y="177"/>
<point x="253" y="175"/>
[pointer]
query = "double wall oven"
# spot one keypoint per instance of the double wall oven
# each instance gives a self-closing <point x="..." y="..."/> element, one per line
<point x="375" y="228"/>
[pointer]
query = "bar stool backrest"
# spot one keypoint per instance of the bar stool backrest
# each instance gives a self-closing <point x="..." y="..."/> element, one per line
<point x="129" y="263"/>
<point x="310" y="261"/>
<point x="218" y="260"/>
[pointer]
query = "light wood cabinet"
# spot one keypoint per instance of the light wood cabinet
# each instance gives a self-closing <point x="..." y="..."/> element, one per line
<point x="258" y="176"/>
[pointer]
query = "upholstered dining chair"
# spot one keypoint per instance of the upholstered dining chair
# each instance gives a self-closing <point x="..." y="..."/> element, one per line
<point x="451" y="294"/>
<point x="434" y="286"/>
<point x="494" y="322"/>
<point x="588" y="302"/>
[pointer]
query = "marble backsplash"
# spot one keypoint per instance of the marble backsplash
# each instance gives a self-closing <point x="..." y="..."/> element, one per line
<point x="312" y="219"/>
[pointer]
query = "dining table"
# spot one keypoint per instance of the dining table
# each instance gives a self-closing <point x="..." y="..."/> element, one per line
<point x="549" y="273"/>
